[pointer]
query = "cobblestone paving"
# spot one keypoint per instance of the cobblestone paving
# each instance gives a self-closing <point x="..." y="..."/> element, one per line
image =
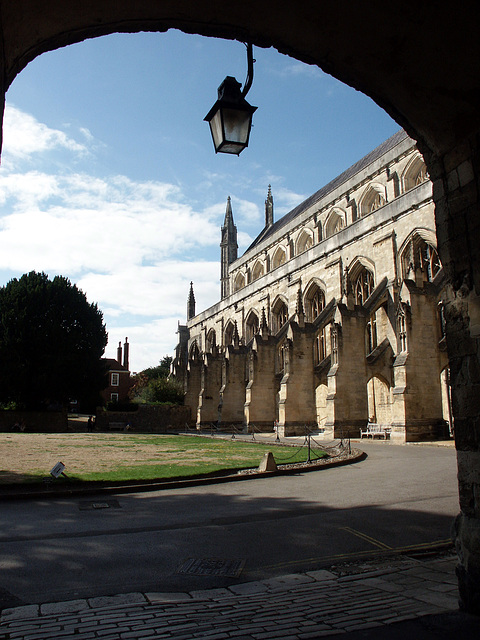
<point x="292" y="607"/>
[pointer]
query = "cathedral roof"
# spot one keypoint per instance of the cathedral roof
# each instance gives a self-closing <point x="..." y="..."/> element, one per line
<point x="331" y="186"/>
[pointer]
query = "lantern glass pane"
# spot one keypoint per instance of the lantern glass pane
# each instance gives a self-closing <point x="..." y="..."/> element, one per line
<point x="216" y="129"/>
<point x="237" y="125"/>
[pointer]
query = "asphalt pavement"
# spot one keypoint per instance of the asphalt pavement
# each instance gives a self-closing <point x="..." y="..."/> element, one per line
<point x="353" y="549"/>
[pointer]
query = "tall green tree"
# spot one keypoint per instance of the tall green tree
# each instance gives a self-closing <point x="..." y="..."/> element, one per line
<point x="51" y="343"/>
<point x="152" y="385"/>
<point x="160" y="371"/>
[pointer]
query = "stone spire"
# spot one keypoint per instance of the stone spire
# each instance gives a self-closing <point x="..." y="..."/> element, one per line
<point x="191" y="303"/>
<point x="269" y="208"/>
<point x="228" y="249"/>
<point x="300" y="312"/>
<point x="264" y="325"/>
<point x="236" y="337"/>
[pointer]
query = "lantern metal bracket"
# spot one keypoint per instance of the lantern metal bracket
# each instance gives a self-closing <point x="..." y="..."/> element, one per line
<point x="250" y="61"/>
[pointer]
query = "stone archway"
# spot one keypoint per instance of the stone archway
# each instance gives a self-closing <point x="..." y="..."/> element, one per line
<point x="419" y="65"/>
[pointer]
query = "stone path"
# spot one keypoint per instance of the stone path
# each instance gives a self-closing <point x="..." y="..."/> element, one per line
<point x="292" y="607"/>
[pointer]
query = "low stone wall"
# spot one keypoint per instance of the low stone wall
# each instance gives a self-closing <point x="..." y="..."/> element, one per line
<point x="148" y="419"/>
<point x="34" y="421"/>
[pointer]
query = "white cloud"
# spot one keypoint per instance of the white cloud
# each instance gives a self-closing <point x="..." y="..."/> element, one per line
<point x="153" y="291"/>
<point x="127" y="244"/>
<point x="286" y="200"/>
<point x="77" y="222"/>
<point x="300" y="69"/>
<point x="147" y="345"/>
<point x="24" y="136"/>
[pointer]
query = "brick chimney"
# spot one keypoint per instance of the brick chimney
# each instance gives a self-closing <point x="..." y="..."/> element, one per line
<point x="126" y="348"/>
<point x="119" y="353"/>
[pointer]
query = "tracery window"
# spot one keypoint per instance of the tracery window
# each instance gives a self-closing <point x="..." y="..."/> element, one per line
<point x="415" y="174"/>
<point x="334" y="343"/>
<point x="420" y="260"/>
<point x="372" y="201"/>
<point x="442" y="318"/>
<point x="315" y="303"/>
<point x="239" y="282"/>
<point x="402" y="330"/>
<point x="194" y="351"/>
<point x="229" y="334"/>
<point x="252" y="326"/>
<point x="211" y="341"/>
<point x="363" y="286"/>
<point x="279" y="257"/>
<point x="319" y="347"/>
<point x="431" y="261"/>
<point x="334" y="224"/>
<point x="281" y="357"/>
<point x="258" y="271"/>
<point x="372" y="333"/>
<point x="280" y="315"/>
<point x="304" y="242"/>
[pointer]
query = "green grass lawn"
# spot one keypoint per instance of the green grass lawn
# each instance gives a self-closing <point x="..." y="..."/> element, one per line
<point x="127" y="456"/>
<point x="184" y="456"/>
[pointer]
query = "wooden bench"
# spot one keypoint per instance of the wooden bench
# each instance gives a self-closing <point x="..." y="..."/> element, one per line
<point x="372" y="429"/>
<point x="117" y="426"/>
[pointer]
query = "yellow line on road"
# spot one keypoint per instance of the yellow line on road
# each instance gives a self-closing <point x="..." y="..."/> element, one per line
<point x="344" y="557"/>
<point x="364" y="536"/>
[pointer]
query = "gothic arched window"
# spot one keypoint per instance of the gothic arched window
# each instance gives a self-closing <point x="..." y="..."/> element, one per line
<point x="258" y="271"/>
<point x="371" y="333"/>
<point x="194" y="351"/>
<point x="363" y="286"/>
<point x="415" y="174"/>
<point x="252" y="326"/>
<point x="372" y="200"/>
<point x="314" y="303"/>
<point x="229" y="334"/>
<point x="281" y="357"/>
<point x="420" y="261"/>
<point x="239" y="282"/>
<point x="402" y="330"/>
<point x="279" y="257"/>
<point x="319" y="347"/>
<point x="211" y="341"/>
<point x="334" y="343"/>
<point x="304" y="242"/>
<point x="431" y="261"/>
<point x="279" y="315"/>
<point x="334" y="224"/>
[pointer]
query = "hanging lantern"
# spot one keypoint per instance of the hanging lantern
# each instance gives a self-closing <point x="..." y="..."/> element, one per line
<point x="230" y="118"/>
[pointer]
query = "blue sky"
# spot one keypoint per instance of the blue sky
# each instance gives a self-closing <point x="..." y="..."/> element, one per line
<point x="109" y="176"/>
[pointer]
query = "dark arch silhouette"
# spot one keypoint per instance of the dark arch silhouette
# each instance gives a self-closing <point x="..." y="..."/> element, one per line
<point x="419" y="64"/>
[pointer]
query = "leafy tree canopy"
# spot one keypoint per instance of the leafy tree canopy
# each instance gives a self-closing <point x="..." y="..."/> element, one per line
<point x="160" y="371"/>
<point x="51" y="343"/>
<point x="153" y="385"/>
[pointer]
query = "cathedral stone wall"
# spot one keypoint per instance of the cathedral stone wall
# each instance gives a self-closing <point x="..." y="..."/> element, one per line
<point x="331" y="319"/>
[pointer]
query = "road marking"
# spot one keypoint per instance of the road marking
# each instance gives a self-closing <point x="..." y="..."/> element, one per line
<point x="356" y="555"/>
<point x="364" y="536"/>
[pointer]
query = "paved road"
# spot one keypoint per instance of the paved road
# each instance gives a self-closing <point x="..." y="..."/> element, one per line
<point x="63" y="549"/>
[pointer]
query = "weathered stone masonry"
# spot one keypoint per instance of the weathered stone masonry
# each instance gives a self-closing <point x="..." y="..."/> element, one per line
<point x="421" y="64"/>
<point x="332" y="317"/>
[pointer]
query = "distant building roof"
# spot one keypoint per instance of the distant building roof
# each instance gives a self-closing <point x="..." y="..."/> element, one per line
<point x="331" y="186"/>
<point x="114" y="365"/>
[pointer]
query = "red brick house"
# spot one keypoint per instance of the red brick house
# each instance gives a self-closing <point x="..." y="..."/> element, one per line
<point x="119" y="381"/>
